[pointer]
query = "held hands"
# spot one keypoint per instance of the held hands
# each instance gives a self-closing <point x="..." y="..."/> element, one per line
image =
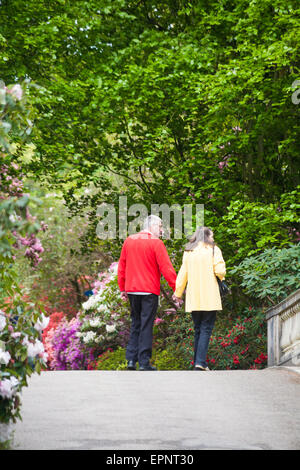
<point x="177" y="301"/>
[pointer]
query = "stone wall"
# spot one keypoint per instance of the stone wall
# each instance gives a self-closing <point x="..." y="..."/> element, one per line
<point x="284" y="332"/>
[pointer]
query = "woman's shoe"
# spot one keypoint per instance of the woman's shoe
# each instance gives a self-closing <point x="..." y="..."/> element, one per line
<point x="148" y="367"/>
<point x="131" y="365"/>
<point x="201" y="368"/>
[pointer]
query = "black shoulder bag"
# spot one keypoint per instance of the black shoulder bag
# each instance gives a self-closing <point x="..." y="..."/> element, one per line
<point x="223" y="288"/>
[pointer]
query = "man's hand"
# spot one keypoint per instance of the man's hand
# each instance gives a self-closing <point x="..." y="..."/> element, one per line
<point x="177" y="300"/>
<point x="124" y="296"/>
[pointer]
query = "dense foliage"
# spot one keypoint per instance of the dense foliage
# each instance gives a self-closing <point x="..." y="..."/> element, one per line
<point x="182" y="103"/>
<point x="272" y="275"/>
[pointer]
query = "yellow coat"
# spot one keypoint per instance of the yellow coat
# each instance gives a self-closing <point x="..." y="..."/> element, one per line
<point x="198" y="272"/>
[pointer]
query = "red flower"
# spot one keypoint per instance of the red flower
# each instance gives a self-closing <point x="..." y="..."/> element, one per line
<point x="236" y="359"/>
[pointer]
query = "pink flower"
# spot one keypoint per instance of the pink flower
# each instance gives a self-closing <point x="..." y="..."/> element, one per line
<point x="158" y="321"/>
<point x="16" y="91"/>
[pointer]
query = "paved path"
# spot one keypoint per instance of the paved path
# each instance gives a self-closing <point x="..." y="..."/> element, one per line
<point x="184" y="410"/>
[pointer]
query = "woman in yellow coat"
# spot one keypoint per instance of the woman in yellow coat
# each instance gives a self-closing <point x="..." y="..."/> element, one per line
<point x="202" y="262"/>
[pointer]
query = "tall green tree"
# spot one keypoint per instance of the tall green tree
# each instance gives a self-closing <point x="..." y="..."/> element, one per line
<point x="180" y="102"/>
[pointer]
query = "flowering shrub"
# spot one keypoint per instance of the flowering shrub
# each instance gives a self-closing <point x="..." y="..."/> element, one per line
<point x="73" y="344"/>
<point x="166" y="360"/>
<point x="235" y="344"/>
<point x="54" y="320"/>
<point x="163" y="326"/>
<point x="16" y="205"/>
<point x="104" y="316"/>
<point x="21" y="349"/>
<point x="21" y="353"/>
<point x="242" y="345"/>
<point x="68" y="352"/>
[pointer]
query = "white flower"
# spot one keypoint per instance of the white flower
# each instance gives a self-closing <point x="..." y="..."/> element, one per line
<point x="12" y="218"/>
<point x="35" y="349"/>
<point x="42" y="323"/>
<point x="16" y="91"/>
<point x="95" y="322"/>
<point x="89" y="303"/>
<point x="93" y="301"/>
<point x="8" y="387"/>
<point x="110" y="328"/>
<point x="4" y="357"/>
<point x="14" y="381"/>
<point x="101" y="308"/>
<point x="25" y="341"/>
<point x="99" y="339"/>
<point x="16" y="334"/>
<point x="114" y="268"/>
<point x="89" y="336"/>
<point x="2" y="95"/>
<point x="2" y="321"/>
<point x="44" y="357"/>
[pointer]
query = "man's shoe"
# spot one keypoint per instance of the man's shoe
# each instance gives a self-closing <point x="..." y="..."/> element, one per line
<point x="131" y="365"/>
<point x="148" y="367"/>
<point x="201" y="368"/>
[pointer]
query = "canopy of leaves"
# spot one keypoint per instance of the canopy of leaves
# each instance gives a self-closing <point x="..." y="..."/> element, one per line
<point x="170" y="101"/>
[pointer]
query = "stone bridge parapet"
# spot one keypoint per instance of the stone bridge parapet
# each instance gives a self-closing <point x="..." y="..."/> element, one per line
<point x="283" y="322"/>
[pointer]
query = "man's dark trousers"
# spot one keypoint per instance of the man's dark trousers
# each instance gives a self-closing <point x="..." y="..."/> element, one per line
<point x="143" y="311"/>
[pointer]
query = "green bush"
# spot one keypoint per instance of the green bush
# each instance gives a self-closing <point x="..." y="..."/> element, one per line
<point x="270" y="276"/>
<point x="110" y="360"/>
<point x="166" y="360"/>
<point x="250" y="227"/>
<point x="116" y="360"/>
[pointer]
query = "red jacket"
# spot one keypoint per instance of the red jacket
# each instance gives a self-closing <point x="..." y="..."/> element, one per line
<point x="143" y="259"/>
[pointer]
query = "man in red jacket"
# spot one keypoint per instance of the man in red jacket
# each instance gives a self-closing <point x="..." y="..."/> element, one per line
<point x="143" y="259"/>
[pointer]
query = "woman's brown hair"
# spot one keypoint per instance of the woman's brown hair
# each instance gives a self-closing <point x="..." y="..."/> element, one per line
<point x="201" y="234"/>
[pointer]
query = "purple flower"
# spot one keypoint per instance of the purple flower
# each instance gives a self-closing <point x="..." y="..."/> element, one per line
<point x="69" y="352"/>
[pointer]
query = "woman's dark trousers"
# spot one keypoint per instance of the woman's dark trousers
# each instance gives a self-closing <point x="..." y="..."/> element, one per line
<point x="203" y="324"/>
<point x="143" y="311"/>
